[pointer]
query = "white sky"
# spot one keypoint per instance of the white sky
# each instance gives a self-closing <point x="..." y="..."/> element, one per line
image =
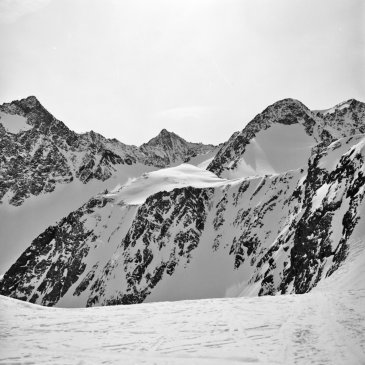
<point x="201" y="68"/>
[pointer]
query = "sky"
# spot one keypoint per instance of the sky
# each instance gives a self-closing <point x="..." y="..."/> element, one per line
<point x="200" y="68"/>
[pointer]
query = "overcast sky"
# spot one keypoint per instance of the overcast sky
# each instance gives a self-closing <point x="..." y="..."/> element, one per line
<point x="200" y="68"/>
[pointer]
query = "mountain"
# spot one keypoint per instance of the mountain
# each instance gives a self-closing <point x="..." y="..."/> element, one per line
<point x="168" y="149"/>
<point x="45" y="153"/>
<point x="48" y="171"/>
<point x="184" y="233"/>
<point x="281" y="138"/>
<point x="38" y="152"/>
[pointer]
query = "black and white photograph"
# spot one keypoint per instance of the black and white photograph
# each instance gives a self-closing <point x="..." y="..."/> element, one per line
<point x="182" y="182"/>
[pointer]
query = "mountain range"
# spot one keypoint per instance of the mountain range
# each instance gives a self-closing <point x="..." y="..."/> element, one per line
<point x="276" y="209"/>
<point x="39" y="152"/>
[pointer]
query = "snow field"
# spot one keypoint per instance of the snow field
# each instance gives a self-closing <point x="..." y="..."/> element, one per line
<point x="326" y="327"/>
<point x="14" y="123"/>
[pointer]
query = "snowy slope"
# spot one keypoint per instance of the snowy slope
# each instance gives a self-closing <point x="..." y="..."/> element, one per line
<point x="323" y="327"/>
<point x="37" y="213"/>
<point x="138" y="190"/>
<point x="275" y="150"/>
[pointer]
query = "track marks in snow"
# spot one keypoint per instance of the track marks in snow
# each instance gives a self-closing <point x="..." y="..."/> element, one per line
<point x="323" y="327"/>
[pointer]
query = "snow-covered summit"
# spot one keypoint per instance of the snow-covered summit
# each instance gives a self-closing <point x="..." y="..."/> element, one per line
<point x="281" y="138"/>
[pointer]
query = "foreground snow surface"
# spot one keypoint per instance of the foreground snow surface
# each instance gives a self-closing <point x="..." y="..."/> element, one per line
<point x="323" y="327"/>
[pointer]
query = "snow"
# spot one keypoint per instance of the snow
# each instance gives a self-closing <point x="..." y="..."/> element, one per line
<point x="205" y="164"/>
<point x="326" y="326"/>
<point x="119" y="219"/>
<point x="19" y="225"/>
<point x="275" y="150"/>
<point x="14" y="123"/>
<point x="340" y="106"/>
<point x="338" y="148"/>
<point x="210" y="273"/>
<point x="138" y="190"/>
<point x="319" y="196"/>
<point x="204" y="159"/>
<point x="323" y="327"/>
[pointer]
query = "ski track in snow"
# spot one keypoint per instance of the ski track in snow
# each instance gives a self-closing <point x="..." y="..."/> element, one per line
<point x="322" y="327"/>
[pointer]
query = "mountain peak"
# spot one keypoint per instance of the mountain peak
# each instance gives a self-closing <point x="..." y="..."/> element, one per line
<point x="31" y="99"/>
<point x="287" y="105"/>
<point x="168" y="148"/>
<point x="164" y="138"/>
<point x="165" y="133"/>
<point x="288" y="101"/>
<point x="30" y="102"/>
<point x="351" y="104"/>
<point x="27" y="103"/>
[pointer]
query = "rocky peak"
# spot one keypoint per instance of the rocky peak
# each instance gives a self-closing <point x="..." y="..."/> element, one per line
<point x="287" y="103"/>
<point x="345" y="119"/>
<point x="286" y="111"/>
<point x="168" y="148"/>
<point x="20" y="107"/>
<point x="36" y="160"/>
<point x="165" y="139"/>
<point x="26" y="105"/>
<point x="36" y="115"/>
<point x="93" y="137"/>
<point x="351" y="102"/>
<point x="348" y="105"/>
<point x="31" y="102"/>
<point x="164" y="132"/>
